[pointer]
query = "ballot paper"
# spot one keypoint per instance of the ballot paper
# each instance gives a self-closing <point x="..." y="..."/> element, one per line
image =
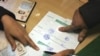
<point x="47" y="36"/>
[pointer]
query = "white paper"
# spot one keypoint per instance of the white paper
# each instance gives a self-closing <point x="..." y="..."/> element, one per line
<point x="47" y="36"/>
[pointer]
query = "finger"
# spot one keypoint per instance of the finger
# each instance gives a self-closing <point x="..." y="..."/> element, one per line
<point x="11" y="41"/>
<point x="31" y="43"/>
<point x="23" y="41"/>
<point x="68" y="28"/>
<point x="21" y="38"/>
<point x="82" y="35"/>
<point x="68" y="52"/>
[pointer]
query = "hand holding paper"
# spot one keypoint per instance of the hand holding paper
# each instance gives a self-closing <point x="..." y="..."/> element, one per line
<point x="47" y="36"/>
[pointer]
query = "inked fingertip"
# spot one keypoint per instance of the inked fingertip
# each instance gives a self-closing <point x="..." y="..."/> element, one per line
<point x="61" y="29"/>
<point x="37" y="48"/>
<point x="80" y="39"/>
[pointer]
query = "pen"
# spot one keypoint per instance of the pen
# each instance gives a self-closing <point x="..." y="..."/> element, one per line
<point x="48" y="52"/>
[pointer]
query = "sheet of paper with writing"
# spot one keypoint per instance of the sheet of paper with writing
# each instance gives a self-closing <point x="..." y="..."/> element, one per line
<point x="47" y="36"/>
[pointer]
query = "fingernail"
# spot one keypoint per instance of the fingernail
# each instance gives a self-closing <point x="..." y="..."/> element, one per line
<point x="13" y="49"/>
<point x="37" y="48"/>
<point x="62" y="29"/>
<point x="80" y="39"/>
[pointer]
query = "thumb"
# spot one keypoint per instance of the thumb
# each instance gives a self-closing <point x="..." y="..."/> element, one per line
<point x="68" y="28"/>
<point x="68" y="52"/>
<point x="82" y="35"/>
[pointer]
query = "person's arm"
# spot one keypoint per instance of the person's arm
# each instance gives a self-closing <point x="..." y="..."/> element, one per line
<point x="13" y="30"/>
<point x="86" y="17"/>
<point x="90" y="13"/>
<point x="4" y="11"/>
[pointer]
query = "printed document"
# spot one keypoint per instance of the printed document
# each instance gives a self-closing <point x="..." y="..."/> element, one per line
<point x="47" y="36"/>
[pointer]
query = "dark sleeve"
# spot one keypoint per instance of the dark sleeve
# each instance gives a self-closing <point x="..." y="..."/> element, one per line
<point x="91" y="13"/>
<point x="3" y="11"/>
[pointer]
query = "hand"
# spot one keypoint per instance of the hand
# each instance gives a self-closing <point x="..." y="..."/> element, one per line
<point x="14" y="30"/>
<point x="77" y="23"/>
<point x="65" y="53"/>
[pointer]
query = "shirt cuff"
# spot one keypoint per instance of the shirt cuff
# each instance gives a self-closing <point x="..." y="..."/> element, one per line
<point x="3" y="12"/>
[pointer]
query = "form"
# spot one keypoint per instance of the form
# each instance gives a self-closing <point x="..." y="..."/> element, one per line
<point x="47" y="36"/>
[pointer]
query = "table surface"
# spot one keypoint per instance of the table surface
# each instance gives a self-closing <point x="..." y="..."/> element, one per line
<point x="64" y="8"/>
